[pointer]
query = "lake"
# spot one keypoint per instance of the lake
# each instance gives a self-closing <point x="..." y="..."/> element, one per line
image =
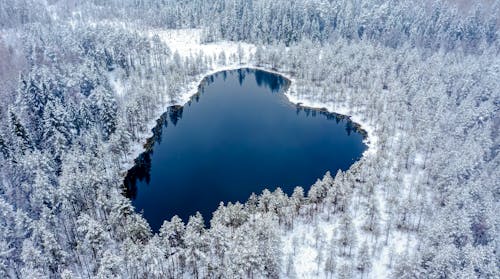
<point x="238" y="135"/>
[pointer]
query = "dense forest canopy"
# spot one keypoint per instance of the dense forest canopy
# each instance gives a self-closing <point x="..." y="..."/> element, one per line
<point x="82" y="81"/>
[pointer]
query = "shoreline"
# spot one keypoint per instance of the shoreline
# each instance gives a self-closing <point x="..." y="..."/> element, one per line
<point x="138" y="147"/>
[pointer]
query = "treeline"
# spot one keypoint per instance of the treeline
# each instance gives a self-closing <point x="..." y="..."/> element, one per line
<point x="433" y="25"/>
<point x="86" y="92"/>
<point x="390" y="23"/>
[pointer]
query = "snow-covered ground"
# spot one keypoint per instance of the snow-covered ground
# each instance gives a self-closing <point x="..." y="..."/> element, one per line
<point x="118" y="86"/>
<point x="188" y="42"/>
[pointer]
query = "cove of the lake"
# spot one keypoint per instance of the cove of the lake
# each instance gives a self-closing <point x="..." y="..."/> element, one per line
<point x="238" y="135"/>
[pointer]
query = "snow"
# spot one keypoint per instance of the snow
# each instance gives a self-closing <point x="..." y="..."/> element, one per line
<point x="10" y="38"/>
<point x="419" y="159"/>
<point x="305" y="252"/>
<point x="116" y="83"/>
<point x="187" y="42"/>
<point x="301" y="243"/>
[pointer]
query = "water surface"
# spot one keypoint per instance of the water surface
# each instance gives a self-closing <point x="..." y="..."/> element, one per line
<point x="239" y="135"/>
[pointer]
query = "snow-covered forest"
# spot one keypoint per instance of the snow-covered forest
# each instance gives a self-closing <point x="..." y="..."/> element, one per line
<point x="83" y="83"/>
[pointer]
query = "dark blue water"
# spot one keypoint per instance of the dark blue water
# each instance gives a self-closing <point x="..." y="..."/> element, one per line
<point x="237" y="136"/>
